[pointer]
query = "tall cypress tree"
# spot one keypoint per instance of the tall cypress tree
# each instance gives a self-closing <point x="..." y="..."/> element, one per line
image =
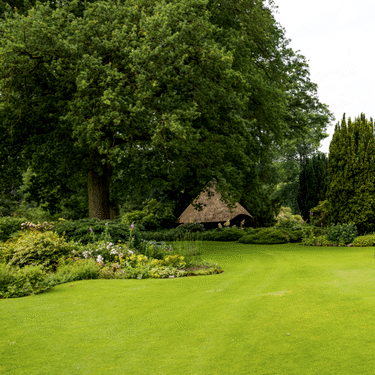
<point x="351" y="173"/>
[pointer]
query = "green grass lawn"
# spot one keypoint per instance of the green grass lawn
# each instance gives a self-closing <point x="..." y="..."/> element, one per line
<point x="281" y="309"/>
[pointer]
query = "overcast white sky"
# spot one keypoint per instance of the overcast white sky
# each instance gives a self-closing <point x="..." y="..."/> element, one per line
<point x="337" y="37"/>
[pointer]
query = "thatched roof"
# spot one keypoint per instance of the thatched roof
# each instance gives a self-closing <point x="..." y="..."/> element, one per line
<point x="214" y="209"/>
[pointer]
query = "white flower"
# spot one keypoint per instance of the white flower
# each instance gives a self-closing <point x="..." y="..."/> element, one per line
<point x="130" y="252"/>
<point x="99" y="259"/>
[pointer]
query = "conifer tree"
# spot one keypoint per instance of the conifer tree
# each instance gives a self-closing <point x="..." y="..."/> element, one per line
<point x="313" y="183"/>
<point x="351" y="170"/>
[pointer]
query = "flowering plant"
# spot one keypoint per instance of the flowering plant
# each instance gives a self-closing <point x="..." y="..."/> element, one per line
<point x="104" y="252"/>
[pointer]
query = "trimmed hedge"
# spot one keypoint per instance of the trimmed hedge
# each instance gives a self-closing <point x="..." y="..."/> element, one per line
<point x="266" y="236"/>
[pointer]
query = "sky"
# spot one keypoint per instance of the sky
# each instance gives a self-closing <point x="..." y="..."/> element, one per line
<point x="337" y="38"/>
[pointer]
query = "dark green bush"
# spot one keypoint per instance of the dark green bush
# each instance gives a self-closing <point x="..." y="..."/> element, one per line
<point x="265" y="236"/>
<point x="154" y="215"/>
<point x="342" y="234"/>
<point x="91" y="230"/>
<point x="34" y="248"/>
<point x="224" y="234"/>
<point x="194" y="230"/>
<point x="8" y="226"/>
<point x="294" y="235"/>
<point x="167" y="235"/>
<point x="19" y="282"/>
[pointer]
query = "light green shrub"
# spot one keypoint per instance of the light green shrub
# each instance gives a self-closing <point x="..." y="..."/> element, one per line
<point x="33" y="248"/>
<point x="71" y="270"/>
<point x="285" y="219"/>
<point x="367" y="240"/>
<point x="19" y="282"/>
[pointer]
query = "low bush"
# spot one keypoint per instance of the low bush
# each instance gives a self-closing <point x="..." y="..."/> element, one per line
<point x="310" y="234"/>
<point x="167" y="235"/>
<point x="156" y="250"/>
<point x="224" y="234"/>
<point x="295" y="235"/>
<point x="34" y="248"/>
<point x="367" y="240"/>
<point x="75" y="269"/>
<point x="87" y="231"/>
<point x="285" y="219"/>
<point x="342" y="234"/>
<point x="8" y="226"/>
<point x="102" y="251"/>
<point x="19" y="282"/>
<point x="265" y="236"/>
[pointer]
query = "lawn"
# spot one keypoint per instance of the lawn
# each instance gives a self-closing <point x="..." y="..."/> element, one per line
<point x="281" y="309"/>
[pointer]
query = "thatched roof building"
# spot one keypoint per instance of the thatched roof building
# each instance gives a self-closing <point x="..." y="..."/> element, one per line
<point x="214" y="211"/>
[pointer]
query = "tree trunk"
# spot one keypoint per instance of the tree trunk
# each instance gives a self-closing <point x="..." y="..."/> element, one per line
<point x="98" y="190"/>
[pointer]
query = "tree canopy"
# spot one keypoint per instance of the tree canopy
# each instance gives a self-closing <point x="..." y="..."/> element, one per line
<point x="181" y="91"/>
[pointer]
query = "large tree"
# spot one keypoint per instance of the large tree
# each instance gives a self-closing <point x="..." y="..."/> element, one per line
<point x="188" y="91"/>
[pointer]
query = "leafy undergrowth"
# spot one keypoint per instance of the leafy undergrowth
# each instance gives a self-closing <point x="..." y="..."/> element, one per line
<point x="36" y="261"/>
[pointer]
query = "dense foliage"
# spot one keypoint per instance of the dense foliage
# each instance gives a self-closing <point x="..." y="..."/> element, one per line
<point x="265" y="236"/>
<point x="38" y="259"/>
<point x="91" y="230"/>
<point x="351" y="170"/>
<point x="312" y="183"/>
<point x="120" y="97"/>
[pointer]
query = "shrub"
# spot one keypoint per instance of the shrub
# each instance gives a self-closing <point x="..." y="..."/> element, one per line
<point x="285" y="219"/>
<point x="342" y="234"/>
<point x="33" y="248"/>
<point x="19" y="282"/>
<point x="265" y="236"/>
<point x="310" y="234"/>
<point x="8" y="226"/>
<point x="157" y="250"/>
<point x="190" y="228"/>
<point x="102" y="251"/>
<point x="77" y="269"/>
<point x="40" y="227"/>
<point x="224" y="234"/>
<point x="367" y="240"/>
<point x="319" y="215"/>
<point x="295" y="235"/>
<point x="91" y="230"/>
<point x="159" y="236"/>
<point x="153" y="215"/>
